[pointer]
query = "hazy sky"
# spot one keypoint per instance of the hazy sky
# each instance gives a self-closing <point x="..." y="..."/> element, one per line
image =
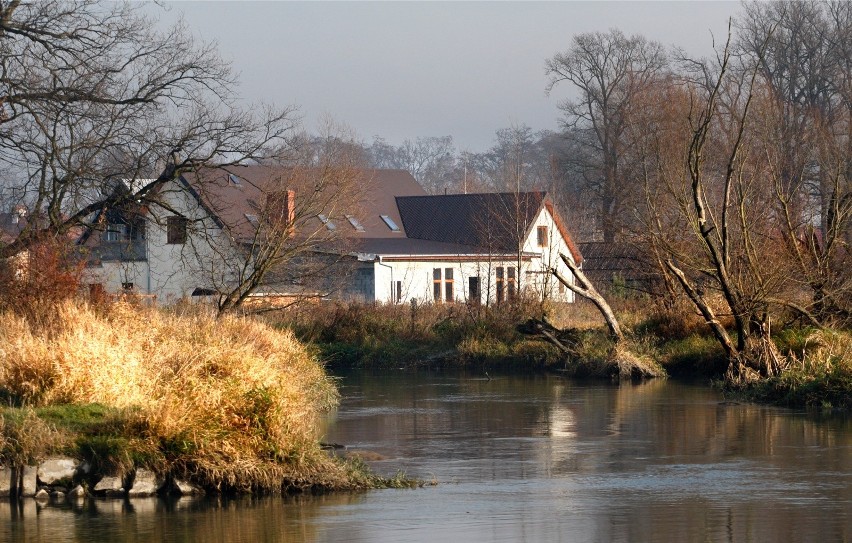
<point x="408" y="69"/>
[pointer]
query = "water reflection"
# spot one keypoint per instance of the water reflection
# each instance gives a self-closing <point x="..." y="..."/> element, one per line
<point x="526" y="459"/>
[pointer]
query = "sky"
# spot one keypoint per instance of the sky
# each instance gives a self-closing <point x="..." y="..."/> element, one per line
<point x="402" y="70"/>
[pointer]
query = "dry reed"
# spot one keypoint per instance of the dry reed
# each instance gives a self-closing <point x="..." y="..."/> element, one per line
<point x="229" y="403"/>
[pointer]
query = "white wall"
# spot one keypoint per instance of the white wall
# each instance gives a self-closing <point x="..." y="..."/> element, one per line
<point x="173" y="271"/>
<point x="416" y="276"/>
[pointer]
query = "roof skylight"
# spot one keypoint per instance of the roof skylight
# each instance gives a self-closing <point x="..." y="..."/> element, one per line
<point x="356" y="224"/>
<point x="328" y="224"/>
<point x="234" y="180"/>
<point x="252" y="218"/>
<point x="388" y="221"/>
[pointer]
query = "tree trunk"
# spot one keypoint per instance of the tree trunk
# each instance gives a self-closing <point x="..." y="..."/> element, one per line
<point x="587" y="290"/>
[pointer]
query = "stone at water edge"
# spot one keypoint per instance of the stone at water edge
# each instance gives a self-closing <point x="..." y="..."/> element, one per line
<point x="5" y="482"/>
<point x="29" y="484"/>
<point x="76" y="493"/>
<point x="187" y="489"/>
<point x="42" y="495"/>
<point x="56" y="469"/>
<point x="109" y="486"/>
<point x="145" y="483"/>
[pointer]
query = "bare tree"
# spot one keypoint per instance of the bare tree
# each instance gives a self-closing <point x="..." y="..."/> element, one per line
<point x="608" y="69"/>
<point x="803" y="52"/>
<point x="431" y="160"/>
<point x="91" y="93"/>
<point x="284" y="227"/>
<point x="726" y="210"/>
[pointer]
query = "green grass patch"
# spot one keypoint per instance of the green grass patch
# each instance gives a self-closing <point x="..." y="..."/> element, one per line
<point x="695" y="355"/>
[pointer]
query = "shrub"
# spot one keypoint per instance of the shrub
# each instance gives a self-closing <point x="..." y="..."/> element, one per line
<point x="25" y="439"/>
<point x="34" y="282"/>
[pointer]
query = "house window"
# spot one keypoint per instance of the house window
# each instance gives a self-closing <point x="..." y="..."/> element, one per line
<point x="128" y="287"/>
<point x="561" y="287"/>
<point x="510" y="282"/>
<point x="448" y="285"/>
<point x="473" y="293"/>
<point x="501" y="293"/>
<point x="388" y="221"/>
<point x="356" y="224"/>
<point x="436" y="284"/>
<point x="399" y="291"/>
<point x="542" y="236"/>
<point x="116" y="232"/>
<point x="176" y="230"/>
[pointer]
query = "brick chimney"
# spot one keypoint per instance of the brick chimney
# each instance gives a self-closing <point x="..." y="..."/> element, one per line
<point x="283" y="205"/>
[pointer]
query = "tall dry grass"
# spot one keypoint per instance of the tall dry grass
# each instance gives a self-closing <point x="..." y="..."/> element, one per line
<point x="229" y="403"/>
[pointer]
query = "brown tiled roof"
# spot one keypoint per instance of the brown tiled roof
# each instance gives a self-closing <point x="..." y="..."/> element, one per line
<point x="428" y="225"/>
<point x="229" y="203"/>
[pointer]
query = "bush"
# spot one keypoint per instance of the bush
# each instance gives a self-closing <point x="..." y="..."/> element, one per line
<point x="359" y="334"/>
<point x="25" y="439"/>
<point x="34" y="282"/>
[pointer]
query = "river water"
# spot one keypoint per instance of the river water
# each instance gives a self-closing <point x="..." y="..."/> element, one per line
<point x="526" y="458"/>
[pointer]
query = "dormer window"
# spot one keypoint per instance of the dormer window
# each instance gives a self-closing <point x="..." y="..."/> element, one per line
<point x="115" y="232"/>
<point x="234" y="180"/>
<point x="356" y="224"/>
<point x="328" y="224"/>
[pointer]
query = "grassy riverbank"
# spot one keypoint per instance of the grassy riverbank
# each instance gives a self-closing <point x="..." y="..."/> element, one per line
<point x="359" y="336"/>
<point x="818" y="372"/>
<point x="818" y="368"/>
<point x="229" y="404"/>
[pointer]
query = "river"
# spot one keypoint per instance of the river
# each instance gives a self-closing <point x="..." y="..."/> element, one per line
<point x="526" y="458"/>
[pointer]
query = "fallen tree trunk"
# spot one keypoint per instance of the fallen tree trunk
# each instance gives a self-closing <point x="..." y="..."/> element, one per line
<point x="619" y="362"/>
<point x="587" y="290"/>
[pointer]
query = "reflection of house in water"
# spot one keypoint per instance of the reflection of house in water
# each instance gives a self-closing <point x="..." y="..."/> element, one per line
<point x="562" y="422"/>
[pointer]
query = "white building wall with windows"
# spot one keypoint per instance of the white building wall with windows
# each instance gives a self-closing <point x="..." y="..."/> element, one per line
<point x="400" y="279"/>
<point x="172" y="269"/>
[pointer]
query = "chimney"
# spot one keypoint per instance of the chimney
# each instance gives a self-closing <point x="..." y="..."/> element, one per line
<point x="282" y="206"/>
<point x="289" y="207"/>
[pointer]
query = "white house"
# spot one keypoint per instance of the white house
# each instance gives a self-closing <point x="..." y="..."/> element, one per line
<point x="398" y="243"/>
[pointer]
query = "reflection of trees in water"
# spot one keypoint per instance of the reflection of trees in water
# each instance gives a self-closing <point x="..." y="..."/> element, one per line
<point x="653" y="462"/>
<point x="185" y="519"/>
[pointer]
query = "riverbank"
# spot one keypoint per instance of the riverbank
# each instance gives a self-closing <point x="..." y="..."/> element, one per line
<point x="817" y="373"/>
<point x="229" y="405"/>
